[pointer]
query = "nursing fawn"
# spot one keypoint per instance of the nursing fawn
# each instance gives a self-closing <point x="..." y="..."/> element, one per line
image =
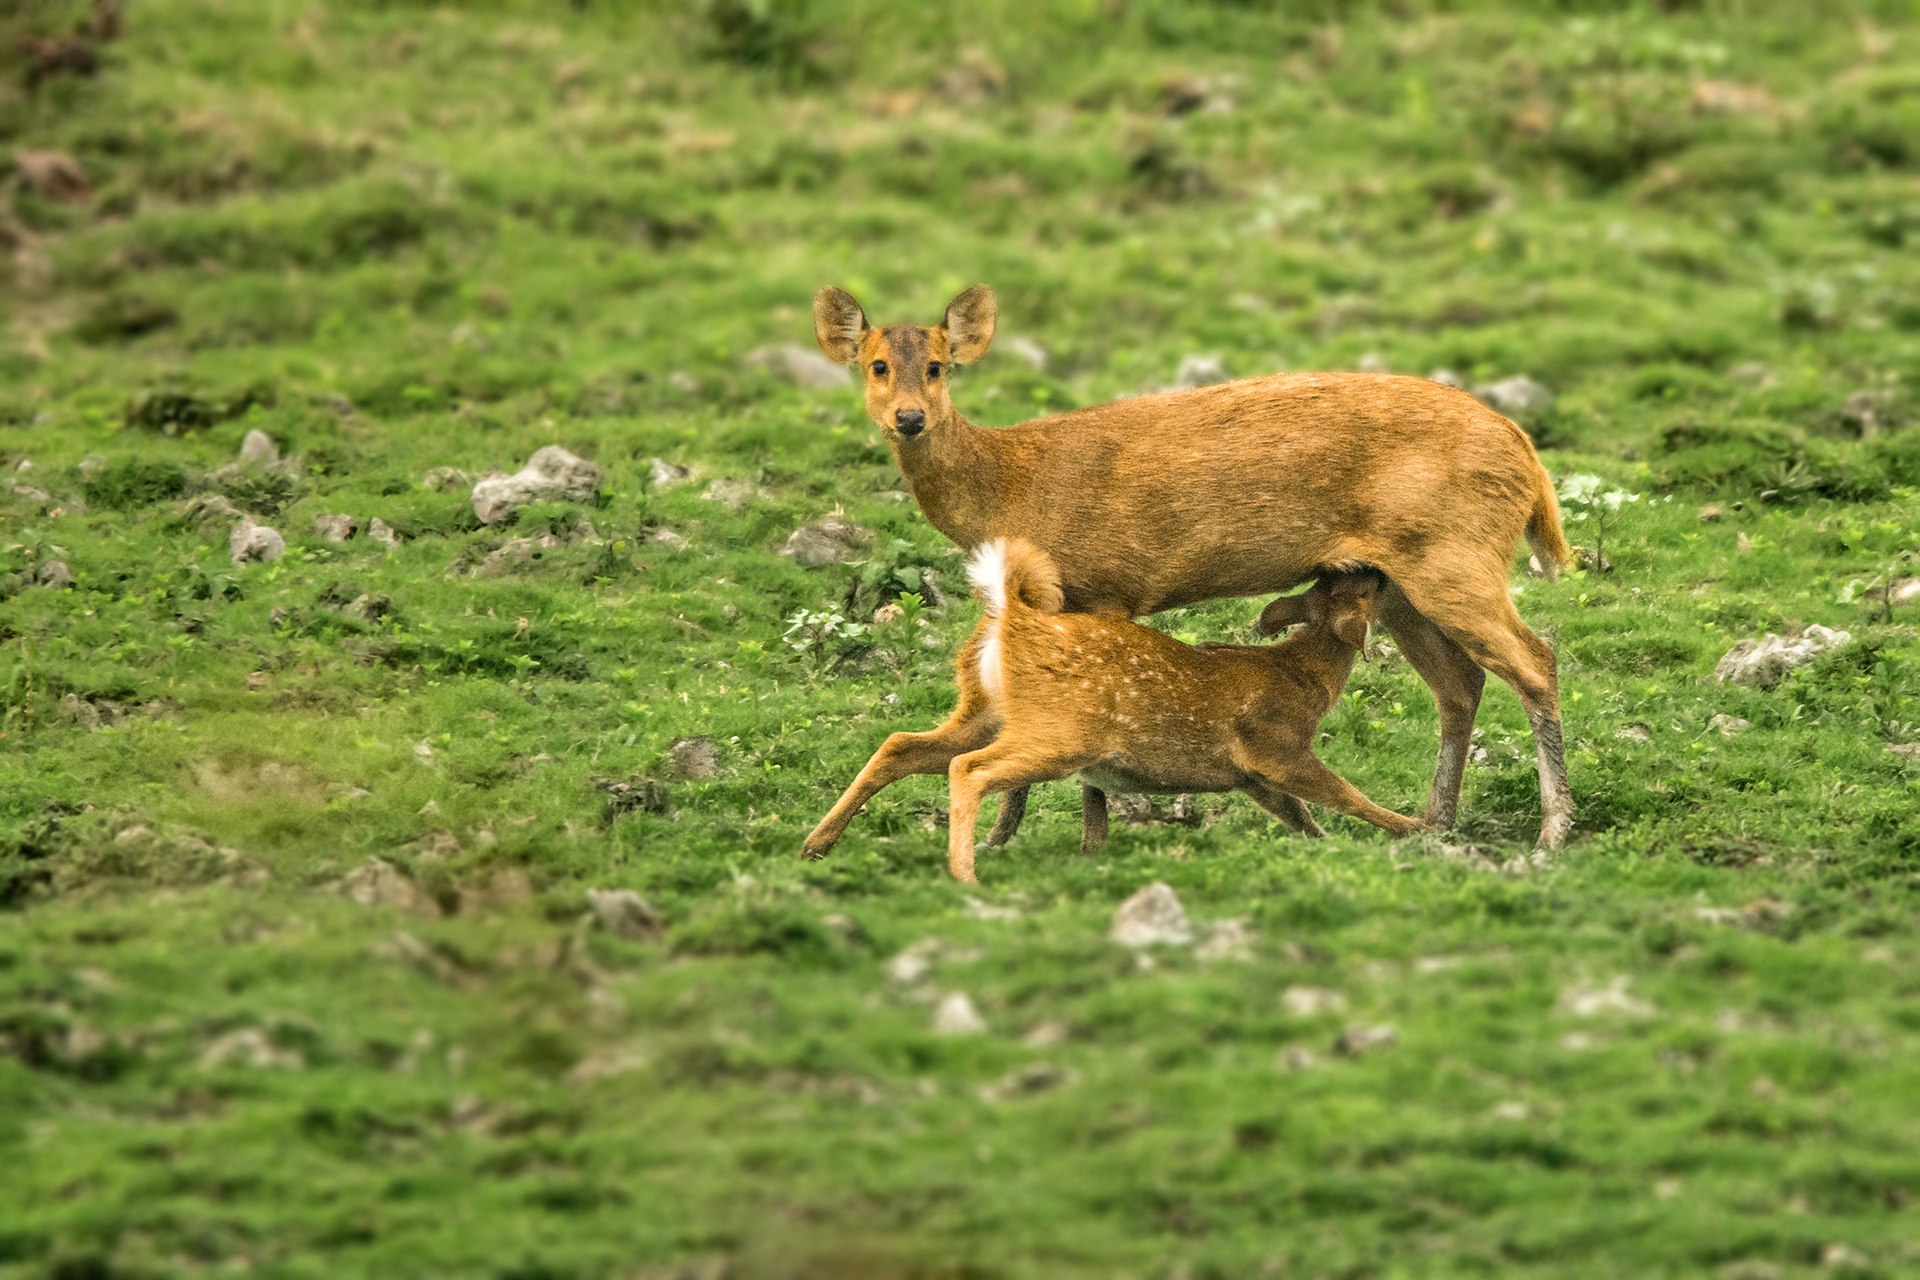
<point x="1046" y="695"/>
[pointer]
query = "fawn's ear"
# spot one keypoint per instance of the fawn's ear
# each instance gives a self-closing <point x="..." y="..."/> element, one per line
<point x="1284" y="613"/>
<point x="1351" y="626"/>
<point x="838" y="324"/>
<point x="970" y="321"/>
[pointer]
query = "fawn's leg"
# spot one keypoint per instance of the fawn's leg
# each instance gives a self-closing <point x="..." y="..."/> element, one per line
<point x="1478" y="615"/>
<point x="1456" y="681"/>
<point x="1000" y="766"/>
<point x="900" y="756"/>
<point x="1302" y="775"/>
<point x="1093" y="818"/>
<point x="1013" y="811"/>
<point x="1283" y="805"/>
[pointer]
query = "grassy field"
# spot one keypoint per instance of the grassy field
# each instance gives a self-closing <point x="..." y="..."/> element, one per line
<point x="400" y="238"/>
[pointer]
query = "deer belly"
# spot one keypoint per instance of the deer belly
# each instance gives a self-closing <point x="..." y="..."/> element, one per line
<point x="1123" y="776"/>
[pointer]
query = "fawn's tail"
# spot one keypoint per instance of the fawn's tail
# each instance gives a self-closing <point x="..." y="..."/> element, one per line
<point x="1010" y="569"/>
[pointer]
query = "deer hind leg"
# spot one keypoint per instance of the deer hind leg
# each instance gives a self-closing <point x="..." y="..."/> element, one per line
<point x="1013" y="812"/>
<point x="903" y="755"/>
<point x="1304" y="777"/>
<point x="1456" y="681"/>
<point x="1000" y="766"/>
<point x="1289" y="808"/>
<point x="1093" y="818"/>
<point x="1478" y="615"/>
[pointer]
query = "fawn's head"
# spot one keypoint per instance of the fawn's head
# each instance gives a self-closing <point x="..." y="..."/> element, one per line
<point x="1343" y="602"/>
<point x="906" y="366"/>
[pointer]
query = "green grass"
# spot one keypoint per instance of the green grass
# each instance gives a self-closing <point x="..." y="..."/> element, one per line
<point x="399" y="237"/>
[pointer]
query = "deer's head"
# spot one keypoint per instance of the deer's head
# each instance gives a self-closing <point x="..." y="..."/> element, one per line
<point x="906" y="367"/>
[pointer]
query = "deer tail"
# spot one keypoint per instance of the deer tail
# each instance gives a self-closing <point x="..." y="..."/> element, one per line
<point x="1010" y="570"/>
<point x="1543" y="525"/>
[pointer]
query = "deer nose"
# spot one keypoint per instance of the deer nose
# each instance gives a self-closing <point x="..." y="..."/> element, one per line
<point x="910" y="421"/>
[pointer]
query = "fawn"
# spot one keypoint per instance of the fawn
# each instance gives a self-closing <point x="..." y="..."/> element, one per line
<point x="1046" y="695"/>
<point x="1244" y="488"/>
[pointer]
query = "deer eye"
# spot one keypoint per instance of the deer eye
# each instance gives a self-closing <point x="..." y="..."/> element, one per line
<point x="933" y="370"/>
<point x="879" y="368"/>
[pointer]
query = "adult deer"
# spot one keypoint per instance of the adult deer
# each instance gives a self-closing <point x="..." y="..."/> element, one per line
<point x="1245" y="488"/>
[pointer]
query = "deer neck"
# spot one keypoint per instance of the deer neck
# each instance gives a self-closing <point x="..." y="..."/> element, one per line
<point x="959" y="479"/>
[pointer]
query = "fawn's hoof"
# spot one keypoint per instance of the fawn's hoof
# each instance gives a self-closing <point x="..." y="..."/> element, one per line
<point x="813" y="850"/>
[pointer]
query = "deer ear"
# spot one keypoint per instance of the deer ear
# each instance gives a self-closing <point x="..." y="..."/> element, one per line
<point x="838" y="324"/>
<point x="970" y="321"/>
<point x="1283" y="613"/>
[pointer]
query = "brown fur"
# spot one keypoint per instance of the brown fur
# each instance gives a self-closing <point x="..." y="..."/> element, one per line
<point x="1130" y="709"/>
<point x="1246" y="488"/>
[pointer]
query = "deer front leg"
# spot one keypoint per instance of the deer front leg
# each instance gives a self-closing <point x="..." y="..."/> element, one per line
<point x="1093" y="818"/>
<point x="1305" y="777"/>
<point x="1013" y="811"/>
<point x="902" y="755"/>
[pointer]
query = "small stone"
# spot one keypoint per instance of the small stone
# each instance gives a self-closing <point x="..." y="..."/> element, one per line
<point x="1843" y="1256"/>
<point x="1763" y="663"/>
<point x="1199" y="370"/>
<point x="335" y="528"/>
<point x="666" y="474"/>
<point x="1519" y="397"/>
<point x="135" y="834"/>
<point x="828" y="541"/>
<point x="1027" y="351"/>
<point x="909" y="967"/>
<point x="1029" y="1081"/>
<point x="888" y="613"/>
<point x="431" y="809"/>
<point x="693" y="759"/>
<point x="625" y="914"/>
<point x="685" y="383"/>
<point x="1712" y="513"/>
<point x="1297" y="1058"/>
<point x="956" y="1016"/>
<point x="1311" y="1002"/>
<point x="514" y="553"/>
<point x="380" y="531"/>
<point x="1753" y="373"/>
<point x="446" y="479"/>
<point x="212" y="508"/>
<point x="1151" y="917"/>
<point x="1905" y="592"/>
<point x="974" y="909"/>
<point x="668" y="538"/>
<point x="250" y="541"/>
<point x="1448" y="378"/>
<point x="53" y="573"/>
<point x="249" y="1047"/>
<point x="1045" y="1035"/>
<point x="1228" y="941"/>
<point x="794" y="364"/>
<point x="1371" y="362"/>
<point x="1906" y="750"/>
<point x="368" y="608"/>
<point x="1635" y="732"/>
<point x="258" y="449"/>
<point x="53" y="175"/>
<point x="1613" y="998"/>
<point x="1868" y="411"/>
<point x="1728" y="726"/>
<point x="551" y="473"/>
<point x="640" y="795"/>
<point x="1358" y="1040"/>
<point x="423" y="752"/>
<point x="732" y="494"/>
<point x="1743" y="543"/>
<point x="378" y="883"/>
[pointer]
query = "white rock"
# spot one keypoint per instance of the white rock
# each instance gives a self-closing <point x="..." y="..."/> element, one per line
<point x="513" y="553"/>
<point x="1448" y="378"/>
<point x="1151" y="917"/>
<point x="380" y="531"/>
<point x="1593" y="1002"/>
<point x="1517" y="397"/>
<point x="248" y="1047"/>
<point x="335" y="528"/>
<point x="1635" y="732"/>
<point x="1729" y="725"/>
<point x="445" y="479"/>
<point x="1358" y="1040"/>
<point x="378" y="883"/>
<point x="1027" y="351"/>
<point x="1906" y="750"/>
<point x="1764" y="662"/>
<point x="551" y="473"/>
<point x="258" y="449"/>
<point x="732" y="494"/>
<point x="828" y="541"/>
<point x="956" y="1016"/>
<point x="669" y="539"/>
<point x="1199" y="370"/>
<point x="693" y="759"/>
<point x="795" y="364"/>
<point x="912" y="965"/>
<point x="250" y="541"/>
<point x="666" y="474"/>
<point x="54" y="573"/>
<point x="1310" y="1002"/>
<point x="1228" y="940"/>
<point x="625" y="914"/>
